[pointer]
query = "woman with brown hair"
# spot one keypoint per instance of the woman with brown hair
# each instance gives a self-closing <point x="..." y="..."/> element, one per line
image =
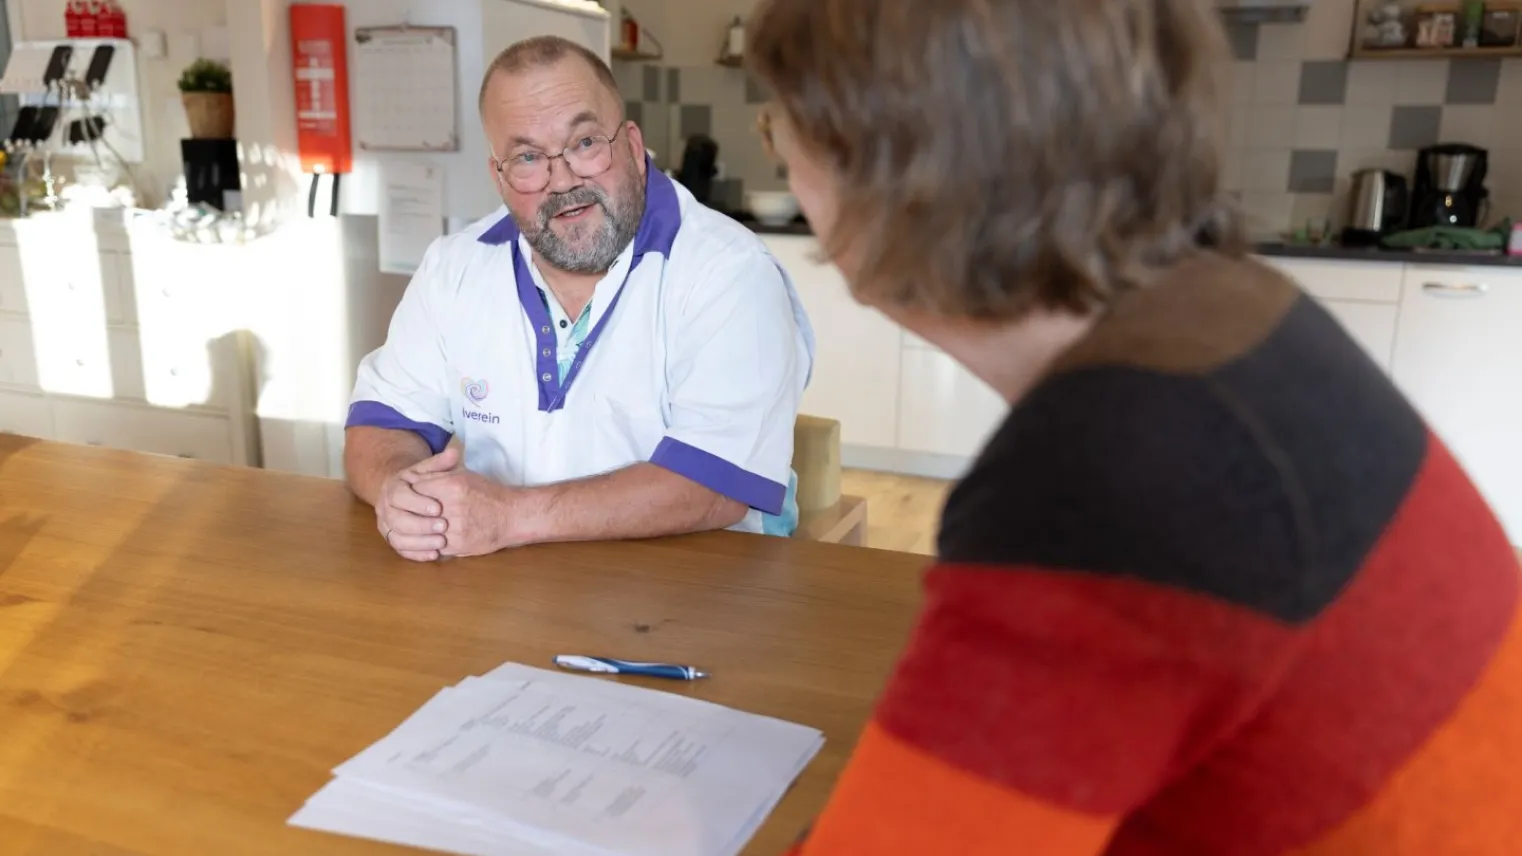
<point x="1213" y="587"/>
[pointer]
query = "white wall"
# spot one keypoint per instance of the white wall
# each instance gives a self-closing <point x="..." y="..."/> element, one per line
<point x="691" y="31"/>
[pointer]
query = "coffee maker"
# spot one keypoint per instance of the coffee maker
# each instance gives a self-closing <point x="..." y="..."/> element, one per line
<point x="1449" y="187"/>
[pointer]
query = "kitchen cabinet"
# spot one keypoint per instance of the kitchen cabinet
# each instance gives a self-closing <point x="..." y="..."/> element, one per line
<point x="1364" y="298"/>
<point x="80" y="362"/>
<point x="857" y="350"/>
<point x="1458" y="357"/>
<point x="18" y="358"/>
<point x="1371" y="325"/>
<point x="25" y="413"/>
<point x="944" y="409"/>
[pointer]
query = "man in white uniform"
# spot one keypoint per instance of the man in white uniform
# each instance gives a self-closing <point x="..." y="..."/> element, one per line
<point x="604" y="359"/>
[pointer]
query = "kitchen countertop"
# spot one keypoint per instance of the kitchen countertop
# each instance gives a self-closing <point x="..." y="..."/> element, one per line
<point x="1370" y="254"/>
<point x="800" y="227"/>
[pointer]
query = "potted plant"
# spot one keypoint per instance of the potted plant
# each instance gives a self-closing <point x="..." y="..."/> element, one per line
<point x="206" y="88"/>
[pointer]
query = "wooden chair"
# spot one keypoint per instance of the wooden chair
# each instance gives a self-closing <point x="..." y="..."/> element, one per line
<point x="823" y="513"/>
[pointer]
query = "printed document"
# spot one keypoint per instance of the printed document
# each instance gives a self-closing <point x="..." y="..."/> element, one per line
<point x="529" y="761"/>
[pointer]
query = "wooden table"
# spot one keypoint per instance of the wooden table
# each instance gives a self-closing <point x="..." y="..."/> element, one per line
<point x="186" y="650"/>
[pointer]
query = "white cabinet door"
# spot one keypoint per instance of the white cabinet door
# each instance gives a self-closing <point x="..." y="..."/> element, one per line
<point x="25" y="414"/>
<point x="856" y="359"/>
<point x="12" y="280"/>
<point x="944" y="410"/>
<point x="143" y="429"/>
<point x="18" y="359"/>
<point x="1372" y="325"/>
<point x="1458" y="356"/>
<point x="1328" y="279"/>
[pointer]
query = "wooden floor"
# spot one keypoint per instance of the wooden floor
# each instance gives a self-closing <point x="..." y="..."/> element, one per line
<point x="903" y="512"/>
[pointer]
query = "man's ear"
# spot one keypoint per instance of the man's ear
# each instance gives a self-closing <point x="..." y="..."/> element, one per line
<point x="637" y="146"/>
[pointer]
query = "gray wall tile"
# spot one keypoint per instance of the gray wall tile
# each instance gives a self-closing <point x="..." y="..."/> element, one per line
<point x="634" y="111"/>
<point x="696" y="119"/>
<point x="1415" y="127"/>
<point x="652" y="83"/>
<point x="1473" y="81"/>
<point x="1420" y="81"/>
<point x="1244" y="40"/>
<point x="729" y="194"/>
<point x="755" y="93"/>
<point x="1323" y="82"/>
<point x="712" y="85"/>
<point x="1312" y="171"/>
<point x="630" y="77"/>
<point x="674" y="85"/>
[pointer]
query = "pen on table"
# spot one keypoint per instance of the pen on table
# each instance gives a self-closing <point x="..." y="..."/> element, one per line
<point x="610" y="666"/>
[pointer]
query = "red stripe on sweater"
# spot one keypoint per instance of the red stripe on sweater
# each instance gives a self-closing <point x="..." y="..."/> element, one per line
<point x="1381" y="670"/>
<point x="1082" y="690"/>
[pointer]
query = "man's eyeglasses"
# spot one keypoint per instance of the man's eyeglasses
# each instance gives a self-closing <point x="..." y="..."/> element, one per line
<point x="529" y="172"/>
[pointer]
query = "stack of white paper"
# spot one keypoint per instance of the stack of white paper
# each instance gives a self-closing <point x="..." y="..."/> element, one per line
<point x="526" y="761"/>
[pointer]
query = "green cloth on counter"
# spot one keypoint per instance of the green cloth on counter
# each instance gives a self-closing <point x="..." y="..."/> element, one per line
<point x="1450" y="238"/>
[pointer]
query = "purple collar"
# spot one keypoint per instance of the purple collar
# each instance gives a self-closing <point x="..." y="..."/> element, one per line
<point x="657" y="234"/>
<point x="657" y="231"/>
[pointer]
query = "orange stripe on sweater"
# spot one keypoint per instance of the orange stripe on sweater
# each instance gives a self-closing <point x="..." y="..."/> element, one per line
<point x="1460" y="792"/>
<point x="893" y="798"/>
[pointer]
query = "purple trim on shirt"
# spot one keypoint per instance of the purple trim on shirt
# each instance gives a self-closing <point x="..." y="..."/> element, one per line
<point x="373" y="414"/>
<point x="657" y="234"/>
<point x="720" y="476"/>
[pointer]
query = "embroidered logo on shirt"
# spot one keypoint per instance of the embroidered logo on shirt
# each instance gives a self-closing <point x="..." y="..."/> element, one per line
<point x="475" y="390"/>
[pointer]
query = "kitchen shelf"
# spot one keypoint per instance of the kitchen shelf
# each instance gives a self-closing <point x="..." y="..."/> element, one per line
<point x="731" y="61"/>
<point x="1361" y="52"/>
<point x="633" y="55"/>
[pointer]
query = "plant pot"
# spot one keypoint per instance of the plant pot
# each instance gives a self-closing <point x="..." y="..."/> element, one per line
<point x="210" y="114"/>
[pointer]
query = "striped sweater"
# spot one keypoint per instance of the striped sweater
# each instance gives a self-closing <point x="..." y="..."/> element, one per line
<point x="1213" y="588"/>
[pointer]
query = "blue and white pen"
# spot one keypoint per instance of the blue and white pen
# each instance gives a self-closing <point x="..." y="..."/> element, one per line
<point x="609" y="666"/>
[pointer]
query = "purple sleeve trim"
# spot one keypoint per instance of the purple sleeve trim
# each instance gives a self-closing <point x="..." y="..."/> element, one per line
<point x="720" y="476"/>
<point x="373" y="414"/>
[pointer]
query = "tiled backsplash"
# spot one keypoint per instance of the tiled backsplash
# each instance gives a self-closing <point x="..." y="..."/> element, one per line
<point x="1300" y="122"/>
<point x="1300" y="127"/>
<point x="671" y="104"/>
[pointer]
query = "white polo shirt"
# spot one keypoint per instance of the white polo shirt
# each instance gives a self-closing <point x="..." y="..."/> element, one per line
<point x="692" y="355"/>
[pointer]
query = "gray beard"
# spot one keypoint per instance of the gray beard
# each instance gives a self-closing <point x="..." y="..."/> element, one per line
<point x="594" y="253"/>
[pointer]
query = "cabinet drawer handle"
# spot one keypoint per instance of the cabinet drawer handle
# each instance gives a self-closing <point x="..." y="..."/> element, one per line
<point x="1473" y="289"/>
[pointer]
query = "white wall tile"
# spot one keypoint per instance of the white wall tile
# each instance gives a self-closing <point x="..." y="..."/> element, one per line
<point x="1266" y="170"/>
<point x="1307" y="205"/>
<point x="1366" y="127"/>
<point x="1244" y="76"/>
<point x="1276" y="82"/>
<point x="1239" y="127"/>
<point x="1505" y="183"/>
<point x="1470" y="124"/>
<point x="1507" y="124"/>
<point x="1351" y="160"/>
<point x="1420" y="81"/>
<point x="1281" y="41"/>
<point x="1268" y="212"/>
<point x="1231" y="168"/>
<point x="1371" y="83"/>
<point x="1329" y="29"/>
<point x="1271" y="128"/>
<point x="1318" y="127"/>
<point x="1510" y="89"/>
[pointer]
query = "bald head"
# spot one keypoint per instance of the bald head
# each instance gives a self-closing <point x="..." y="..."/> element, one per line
<point x="542" y="52"/>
